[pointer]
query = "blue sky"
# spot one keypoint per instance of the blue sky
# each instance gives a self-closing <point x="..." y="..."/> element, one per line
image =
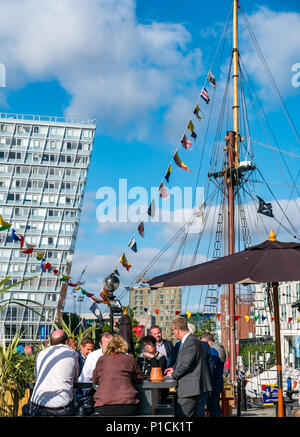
<point x="138" y="67"/>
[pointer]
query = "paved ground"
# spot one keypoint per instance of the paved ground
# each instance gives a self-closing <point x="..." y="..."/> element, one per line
<point x="257" y="412"/>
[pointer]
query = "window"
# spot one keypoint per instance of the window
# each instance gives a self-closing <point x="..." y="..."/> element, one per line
<point x="36" y="129"/>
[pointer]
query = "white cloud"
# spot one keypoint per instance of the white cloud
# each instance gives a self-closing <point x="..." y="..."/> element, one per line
<point x="277" y="34"/>
<point x="112" y="66"/>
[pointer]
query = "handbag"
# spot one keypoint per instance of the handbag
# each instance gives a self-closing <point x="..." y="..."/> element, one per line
<point x="84" y="405"/>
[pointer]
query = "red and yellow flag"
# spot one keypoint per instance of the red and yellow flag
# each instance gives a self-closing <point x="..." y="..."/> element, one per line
<point x="179" y="162"/>
<point x="124" y="262"/>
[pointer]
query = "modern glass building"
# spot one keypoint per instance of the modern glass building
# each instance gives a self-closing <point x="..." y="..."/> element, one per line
<point x="43" y="170"/>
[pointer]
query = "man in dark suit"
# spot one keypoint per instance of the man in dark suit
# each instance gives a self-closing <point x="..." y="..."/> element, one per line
<point x="163" y="346"/>
<point x="189" y="372"/>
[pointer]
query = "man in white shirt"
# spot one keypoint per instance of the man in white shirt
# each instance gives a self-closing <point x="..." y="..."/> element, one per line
<point x="56" y="370"/>
<point x="92" y="358"/>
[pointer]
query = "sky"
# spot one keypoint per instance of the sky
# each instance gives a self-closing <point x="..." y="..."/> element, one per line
<point x="138" y="67"/>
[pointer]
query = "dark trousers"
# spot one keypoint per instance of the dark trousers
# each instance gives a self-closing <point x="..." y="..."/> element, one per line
<point x="117" y="410"/>
<point x="31" y="410"/>
<point x="213" y="404"/>
<point x="188" y="407"/>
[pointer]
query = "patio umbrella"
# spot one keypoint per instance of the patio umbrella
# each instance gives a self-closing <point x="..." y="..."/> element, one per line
<point x="271" y="261"/>
<point x="125" y="330"/>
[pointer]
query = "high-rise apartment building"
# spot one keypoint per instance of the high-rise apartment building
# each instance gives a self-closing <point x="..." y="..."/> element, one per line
<point x="43" y="169"/>
<point x="161" y="304"/>
<point x="288" y="293"/>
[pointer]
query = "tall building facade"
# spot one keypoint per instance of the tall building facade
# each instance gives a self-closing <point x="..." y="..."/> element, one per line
<point x="288" y="293"/>
<point x="160" y="305"/>
<point x="43" y="170"/>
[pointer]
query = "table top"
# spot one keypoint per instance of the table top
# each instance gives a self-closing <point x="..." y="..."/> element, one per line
<point x="167" y="383"/>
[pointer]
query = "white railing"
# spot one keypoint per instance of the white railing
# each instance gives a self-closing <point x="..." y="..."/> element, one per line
<point x="47" y="118"/>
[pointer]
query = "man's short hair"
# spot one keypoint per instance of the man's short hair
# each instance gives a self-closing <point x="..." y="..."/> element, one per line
<point x="180" y="323"/>
<point x="58" y="337"/>
<point x="86" y="340"/>
<point x="104" y="334"/>
<point x="154" y="327"/>
<point x="148" y="339"/>
<point x="208" y="336"/>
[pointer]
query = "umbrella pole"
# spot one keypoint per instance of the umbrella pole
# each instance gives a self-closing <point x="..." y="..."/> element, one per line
<point x="278" y="349"/>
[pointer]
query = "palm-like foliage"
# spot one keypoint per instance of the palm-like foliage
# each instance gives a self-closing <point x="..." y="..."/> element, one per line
<point x="15" y="372"/>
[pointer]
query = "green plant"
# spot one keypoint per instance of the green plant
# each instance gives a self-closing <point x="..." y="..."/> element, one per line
<point x="15" y="372"/>
<point x="69" y="328"/>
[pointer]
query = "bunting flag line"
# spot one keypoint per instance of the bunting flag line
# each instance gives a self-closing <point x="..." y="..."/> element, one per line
<point x="104" y="295"/>
<point x="265" y="208"/>
<point x="205" y="96"/>
<point x="186" y="143"/>
<point x="196" y="112"/>
<point x="3" y="224"/>
<point x="141" y="229"/>
<point x="132" y="244"/>
<point x="151" y="209"/>
<point x="163" y="191"/>
<point x="124" y="262"/>
<point x="190" y="127"/>
<point x="180" y="163"/>
<point x="212" y="80"/>
<point x="167" y="175"/>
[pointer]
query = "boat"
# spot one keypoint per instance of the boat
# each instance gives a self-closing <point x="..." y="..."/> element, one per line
<point x="241" y="190"/>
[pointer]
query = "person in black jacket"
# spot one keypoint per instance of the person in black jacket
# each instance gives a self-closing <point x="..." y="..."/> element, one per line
<point x="150" y="357"/>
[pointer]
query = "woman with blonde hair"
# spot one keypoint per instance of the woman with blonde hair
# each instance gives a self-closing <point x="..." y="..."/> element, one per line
<point x="115" y="374"/>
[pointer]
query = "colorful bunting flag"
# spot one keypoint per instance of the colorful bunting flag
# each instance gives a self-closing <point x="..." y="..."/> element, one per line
<point x="190" y="126"/>
<point x="196" y="112"/>
<point x="167" y="175"/>
<point x="39" y="255"/>
<point x="180" y="163"/>
<point x="186" y="143"/>
<point x="104" y="295"/>
<point x="237" y="317"/>
<point x="151" y="209"/>
<point x="157" y="310"/>
<point x="64" y="278"/>
<point x="29" y="249"/>
<point x="4" y="225"/>
<point x="212" y="80"/>
<point x="132" y="244"/>
<point x="177" y="313"/>
<point x="290" y="319"/>
<point x="188" y="314"/>
<point x="141" y="229"/>
<point x="205" y="96"/>
<point x="247" y="318"/>
<point x="124" y="262"/>
<point x="163" y="191"/>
